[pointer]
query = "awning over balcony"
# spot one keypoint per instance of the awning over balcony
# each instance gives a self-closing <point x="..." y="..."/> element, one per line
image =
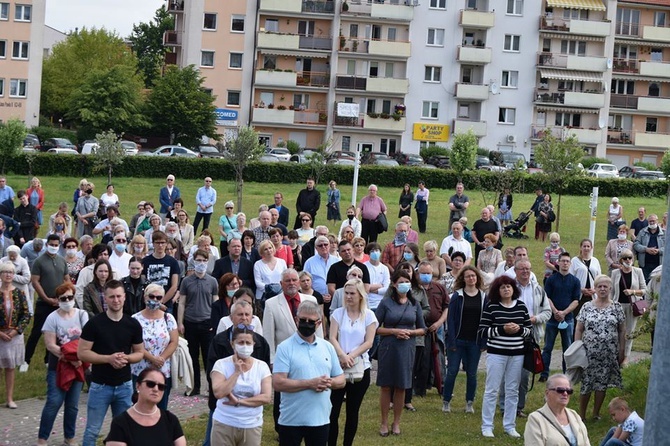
<point x="636" y="41"/>
<point x="567" y="109"/>
<point x="571" y="75"/>
<point x="569" y="36"/>
<point x="629" y="77"/>
<point x="591" y="5"/>
<point x="296" y="54"/>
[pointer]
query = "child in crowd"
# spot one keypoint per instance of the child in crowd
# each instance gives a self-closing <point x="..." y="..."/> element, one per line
<point x="630" y="428"/>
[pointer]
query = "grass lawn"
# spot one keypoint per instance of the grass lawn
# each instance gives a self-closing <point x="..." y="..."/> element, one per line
<point x="574" y="226"/>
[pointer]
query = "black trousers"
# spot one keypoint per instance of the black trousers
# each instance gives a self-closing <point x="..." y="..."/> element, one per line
<point x="354" y="393"/>
<point x="205" y="221"/>
<point x="419" y="375"/>
<point x="199" y="335"/>
<point x="422" y="217"/>
<point x="313" y="436"/>
<point x="369" y="230"/>
<point x="42" y="311"/>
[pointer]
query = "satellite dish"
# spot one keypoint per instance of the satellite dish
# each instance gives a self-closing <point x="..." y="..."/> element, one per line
<point x="494" y="88"/>
<point x="609" y="64"/>
<point x="601" y="122"/>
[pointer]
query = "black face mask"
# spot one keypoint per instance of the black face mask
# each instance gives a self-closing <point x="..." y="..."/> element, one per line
<point x="89" y="191"/>
<point x="306" y="328"/>
<point x="350" y="217"/>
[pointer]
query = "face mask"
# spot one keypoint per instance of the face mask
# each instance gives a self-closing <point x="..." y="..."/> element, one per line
<point x="60" y="227"/>
<point x="120" y="247"/>
<point x="400" y="239"/>
<point x="653" y="227"/>
<point x="407" y="256"/>
<point x="66" y="306"/>
<point x="71" y="252"/>
<point x="562" y="325"/>
<point x="172" y="235"/>
<point x="153" y="304"/>
<point x="89" y="191"/>
<point x="621" y="236"/>
<point x="554" y="245"/>
<point x="403" y="288"/>
<point x="489" y="248"/>
<point x="53" y="250"/>
<point x="137" y="248"/>
<point x="231" y="292"/>
<point x="200" y="268"/>
<point x="425" y="278"/>
<point x="307" y="329"/>
<point x="244" y="351"/>
<point x="627" y="263"/>
<point x="350" y="217"/>
<point x="375" y="255"/>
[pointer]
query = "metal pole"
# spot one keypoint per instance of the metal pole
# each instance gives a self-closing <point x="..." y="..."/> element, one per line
<point x="657" y="428"/>
<point x="594" y="211"/>
<point x="354" y="190"/>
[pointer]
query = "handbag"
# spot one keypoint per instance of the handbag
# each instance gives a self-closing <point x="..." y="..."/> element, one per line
<point x="640" y="307"/>
<point x="355" y="373"/>
<point x="382" y="223"/>
<point x="539" y="219"/>
<point x="532" y="356"/>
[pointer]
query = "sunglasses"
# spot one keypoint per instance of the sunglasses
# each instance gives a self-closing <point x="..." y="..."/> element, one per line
<point x="626" y="258"/>
<point x="563" y="390"/>
<point x="229" y="208"/>
<point x="155" y="296"/>
<point x="307" y="219"/>
<point x="66" y="297"/>
<point x="322" y="245"/>
<point x="151" y="384"/>
<point x="121" y="241"/>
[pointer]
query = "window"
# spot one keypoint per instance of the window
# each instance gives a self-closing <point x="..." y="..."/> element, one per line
<point x="651" y="125"/>
<point x="659" y="19"/>
<point x="237" y="24"/>
<point x="435" y="37"/>
<point x="207" y="58"/>
<point x="390" y="69"/>
<point x="23" y="13"/>
<point x="433" y="74"/>
<point x="17" y="88"/>
<point x="272" y="25"/>
<point x="371" y="106"/>
<point x="267" y="98"/>
<point x="391" y="34"/>
<point x="4" y="11"/>
<point x="374" y="69"/>
<point x="2" y="87"/>
<point x="573" y="47"/>
<point x="622" y="87"/>
<point x="351" y="67"/>
<point x="235" y="60"/>
<point x="430" y="109"/>
<point x="466" y="75"/>
<point x="657" y="54"/>
<point x="571" y="119"/>
<point x="654" y="90"/>
<point x="506" y="115"/>
<point x="346" y="143"/>
<point x="570" y="85"/>
<point x="210" y="21"/>
<point x="386" y="106"/>
<point x="353" y="30"/>
<point x="388" y="146"/>
<point x="546" y="45"/>
<point x="3" y="49"/>
<point x="627" y="22"/>
<point x="20" y="50"/>
<point x="621" y="122"/>
<point x="233" y="98"/>
<point x="464" y="110"/>
<point x="269" y="62"/>
<point x="306" y="27"/>
<point x="515" y="7"/>
<point x="426" y="144"/>
<point x="575" y="14"/>
<point x="512" y="42"/>
<point x="438" y="4"/>
<point x="510" y="79"/>
<point x="470" y="4"/>
<point x="301" y="101"/>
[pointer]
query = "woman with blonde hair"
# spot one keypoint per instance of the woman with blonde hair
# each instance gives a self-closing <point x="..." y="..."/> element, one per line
<point x="138" y="247"/>
<point x="268" y="270"/>
<point x="185" y="230"/>
<point x="488" y="259"/>
<point x="437" y="262"/>
<point x="628" y="286"/>
<point x="36" y="197"/>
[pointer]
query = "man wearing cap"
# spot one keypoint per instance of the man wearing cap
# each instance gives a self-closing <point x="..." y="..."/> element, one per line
<point x="168" y="194"/>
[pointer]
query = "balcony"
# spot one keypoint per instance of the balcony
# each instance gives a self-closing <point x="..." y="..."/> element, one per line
<point x="472" y="92"/>
<point x="627" y="101"/>
<point x="387" y="85"/>
<point x="573" y="62"/>
<point x="380" y="10"/>
<point x="538" y="131"/>
<point x="319" y="7"/>
<point x="176" y="6"/>
<point x="351" y="82"/>
<point x="310" y="117"/>
<point x="388" y="48"/>
<point x="626" y="66"/>
<point x="656" y="33"/>
<point x="384" y="124"/>
<point x="170" y="59"/>
<point x="655" y="69"/>
<point x="654" y="104"/>
<point x="659" y="140"/>
<point x="587" y="99"/>
<point x="477" y="19"/>
<point x="278" y="41"/>
<point x="275" y="78"/>
<point x="273" y="116"/>
<point x="172" y="38"/>
<point x="579" y="27"/>
<point x="290" y="6"/>
<point x="585" y="136"/>
<point x="618" y="136"/>
<point x="313" y="79"/>
<point x="464" y="125"/>
<point x="474" y="55"/>
<point x="315" y="43"/>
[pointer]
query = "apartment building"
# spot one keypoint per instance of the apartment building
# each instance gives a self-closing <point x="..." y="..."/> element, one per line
<point x="21" y="50"/>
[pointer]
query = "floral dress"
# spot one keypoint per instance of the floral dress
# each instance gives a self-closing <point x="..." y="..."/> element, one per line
<point x="156" y="335"/>
<point x="601" y="340"/>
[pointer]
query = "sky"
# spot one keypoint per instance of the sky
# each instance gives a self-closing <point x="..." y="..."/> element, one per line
<point x="118" y="15"/>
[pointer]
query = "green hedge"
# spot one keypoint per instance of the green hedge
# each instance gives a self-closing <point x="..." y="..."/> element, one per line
<point x="79" y="166"/>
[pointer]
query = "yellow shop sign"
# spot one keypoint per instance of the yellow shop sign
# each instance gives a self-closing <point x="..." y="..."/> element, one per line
<point x="430" y="132"/>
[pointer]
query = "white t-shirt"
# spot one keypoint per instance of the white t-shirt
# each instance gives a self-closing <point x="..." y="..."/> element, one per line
<point x="248" y="384"/>
<point x="461" y="245"/>
<point x="352" y="333"/>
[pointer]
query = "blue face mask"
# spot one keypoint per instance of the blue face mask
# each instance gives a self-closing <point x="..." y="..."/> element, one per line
<point x="425" y="278"/>
<point x="403" y="288"/>
<point x="407" y="256"/>
<point x="375" y="255"/>
<point x="231" y="292"/>
<point x="153" y="304"/>
<point x="120" y="247"/>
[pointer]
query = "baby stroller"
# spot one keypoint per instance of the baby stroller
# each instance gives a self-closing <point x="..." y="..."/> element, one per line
<point x="517" y="227"/>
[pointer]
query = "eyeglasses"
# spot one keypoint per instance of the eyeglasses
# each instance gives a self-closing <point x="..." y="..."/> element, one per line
<point x="7" y="272"/>
<point x="159" y="243"/>
<point x="308" y="321"/>
<point x="323" y="245"/>
<point x="121" y="240"/>
<point x="229" y="207"/>
<point x="151" y="384"/>
<point x="208" y="181"/>
<point x="155" y="296"/>
<point x="306" y="219"/>
<point x="563" y="390"/>
<point x="627" y="258"/>
<point x="66" y="297"/>
<point x="244" y="327"/>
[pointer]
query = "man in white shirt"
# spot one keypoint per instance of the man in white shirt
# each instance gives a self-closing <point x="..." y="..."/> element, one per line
<point x="455" y="242"/>
<point x="520" y="253"/>
<point x="119" y="258"/>
<point x="380" y="277"/>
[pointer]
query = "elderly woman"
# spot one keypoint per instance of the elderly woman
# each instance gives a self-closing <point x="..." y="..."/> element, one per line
<point x="601" y="326"/>
<point x="505" y="323"/>
<point x="616" y="246"/>
<point x="306" y="287"/>
<point x="160" y="335"/>
<point x="241" y="223"/>
<point x="628" y="286"/>
<point x="138" y="247"/>
<point x="614" y="218"/>
<point x="488" y="259"/>
<point x="267" y="271"/>
<point x="358" y="243"/>
<point x="586" y="268"/>
<point x="227" y="224"/>
<point x="554" y="424"/>
<point x="338" y="296"/>
<point x="14" y="319"/>
<point x="457" y="264"/>
<point x="21" y="272"/>
<point x="185" y="230"/>
<point x="437" y="262"/>
<point x="86" y="210"/>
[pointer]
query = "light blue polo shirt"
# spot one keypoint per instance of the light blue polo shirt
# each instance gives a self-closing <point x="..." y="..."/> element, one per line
<point x="301" y="360"/>
<point x="318" y="268"/>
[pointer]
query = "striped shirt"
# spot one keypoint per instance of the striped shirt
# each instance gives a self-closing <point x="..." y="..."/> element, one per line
<point x="492" y="323"/>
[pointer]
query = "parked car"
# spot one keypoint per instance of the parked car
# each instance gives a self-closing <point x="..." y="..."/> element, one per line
<point x="600" y="170"/>
<point x="340" y="154"/>
<point x="63" y="151"/>
<point x="208" y="151"/>
<point x="649" y="175"/>
<point x="628" y="171"/>
<point x="482" y="161"/>
<point x="267" y="158"/>
<point x="170" y="150"/>
<point x="343" y="161"/>
<point x="58" y="143"/>
<point x="382" y="159"/>
<point x="89" y="148"/>
<point x="32" y="141"/>
<point x="440" y="161"/>
<point x="408" y="159"/>
<point x="281" y="153"/>
<point x="130" y="147"/>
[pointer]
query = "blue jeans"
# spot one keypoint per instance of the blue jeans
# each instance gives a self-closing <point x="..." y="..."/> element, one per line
<point x="469" y="353"/>
<point x="609" y="441"/>
<point x="100" y="398"/>
<point x="208" y="430"/>
<point x="55" y="398"/>
<point x="550" y="337"/>
<point x="163" y="404"/>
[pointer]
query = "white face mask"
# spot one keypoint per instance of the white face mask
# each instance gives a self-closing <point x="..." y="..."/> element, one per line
<point x="53" y="250"/>
<point x="627" y="263"/>
<point x="621" y="236"/>
<point x="66" y="306"/>
<point x="653" y="227"/>
<point x="243" y="350"/>
<point x="71" y="252"/>
<point x="200" y="268"/>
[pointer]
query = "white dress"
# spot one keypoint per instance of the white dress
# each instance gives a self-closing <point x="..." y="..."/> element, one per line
<point x="263" y="275"/>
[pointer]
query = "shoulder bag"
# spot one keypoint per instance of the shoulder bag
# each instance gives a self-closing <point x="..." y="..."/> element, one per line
<point x="354" y="373"/>
<point x="639" y="307"/>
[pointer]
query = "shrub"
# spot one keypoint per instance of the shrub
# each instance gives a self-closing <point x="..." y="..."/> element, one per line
<point x="434" y="150"/>
<point x="44" y="133"/>
<point x="589" y="161"/>
<point x="293" y="146"/>
<point x="647" y="166"/>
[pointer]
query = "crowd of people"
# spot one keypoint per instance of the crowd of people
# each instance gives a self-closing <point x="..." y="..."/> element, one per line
<point x="295" y="316"/>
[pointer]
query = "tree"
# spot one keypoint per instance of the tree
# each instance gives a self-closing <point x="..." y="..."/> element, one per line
<point x="180" y="108"/>
<point x="243" y="149"/>
<point x="12" y="135"/>
<point x="65" y="70"/>
<point x="463" y="152"/>
<point x="108" y="99"/>
<point x="109" y="153"/>
<point x="147" y="44"/>
<point x="559" y="159"/>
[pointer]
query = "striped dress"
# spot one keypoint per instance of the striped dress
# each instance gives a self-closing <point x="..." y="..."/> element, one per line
<point x="491" y="326"/>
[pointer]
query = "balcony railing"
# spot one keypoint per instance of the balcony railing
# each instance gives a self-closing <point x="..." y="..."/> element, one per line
<point x="619" y="136"/>
<point x="626" y="65"/>
<point x="315" y="43"/>
<point x="323" y="7"/>
<point x="312" y="79"/>
<point x="623" y="101"/>
<point x="172" y="38"/>
<point x="171" y="58"/>
<point x="176" y="6"/>
<point x="558" y="96"/>
<point x="352" y="82"/>
<point x="561" y="24"/>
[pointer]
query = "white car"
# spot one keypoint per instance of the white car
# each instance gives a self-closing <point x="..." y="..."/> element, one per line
<point x="600" y="170"/>
<point x="62" y="151"/>
<point x="130" y="147"/>
<point x="280" y="152"/>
